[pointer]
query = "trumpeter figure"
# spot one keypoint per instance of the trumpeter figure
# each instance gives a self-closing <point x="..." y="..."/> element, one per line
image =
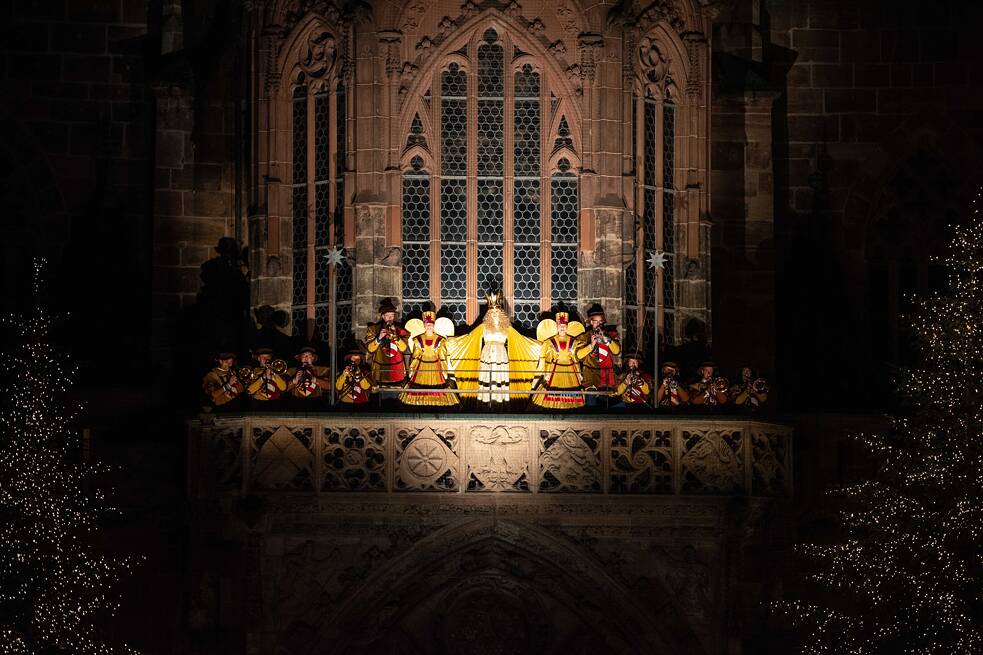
<point x="224" y="383"/>
<point x="596" y="349"/>
<point x="308" y="380"/>
<point x="386" y="341"/>
<point x="355" y="382"/>
<point x="671" y="392"/>
<point x="751" y="392"/>
<point x="710" y="390"/>
<point x="635" y="387"/>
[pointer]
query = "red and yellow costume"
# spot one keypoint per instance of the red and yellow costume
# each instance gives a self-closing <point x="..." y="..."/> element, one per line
<point x="670" y="392"/>
<point x="222" y="385"/>
<point x="354" y="383"/>
<point x="386" y="352"/>
<point x="710" y="390"/>
<point x="596" y="350"/>
<point x="635" y="388"/>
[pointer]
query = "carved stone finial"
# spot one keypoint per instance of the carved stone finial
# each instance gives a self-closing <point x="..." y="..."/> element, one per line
<point x="513" y="8"/>
<point x="424" y="46"/>
<point x="468" y="9"/>
<point x="445" y="25"/>
<point x="558" y="48"/>
<point x="536" y="27"/>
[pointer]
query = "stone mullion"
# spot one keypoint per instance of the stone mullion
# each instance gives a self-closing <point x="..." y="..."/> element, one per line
<point x="660" y="217"/>
<point x="508" y="174"/>
<point x="435" y="177"/>
<point x="546" y="197"/>
<point x="639" y="218"/>
<point x="471" y="288"/>
<point x="311" y="209"/>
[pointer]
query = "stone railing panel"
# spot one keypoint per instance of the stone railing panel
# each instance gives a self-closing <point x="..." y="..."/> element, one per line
<point x="683" y="455"/>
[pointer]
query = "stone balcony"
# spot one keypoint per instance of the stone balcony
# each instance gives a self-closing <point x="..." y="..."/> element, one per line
<point x="655" y="455"/>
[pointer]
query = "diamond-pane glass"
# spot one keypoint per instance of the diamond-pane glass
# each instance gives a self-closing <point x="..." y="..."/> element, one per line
<point x="527" y="131"/>
<point x="526" y="315"/>
<point x="321" y="323"/>
<point x="526" y="212"/>
<point x="321" y="136"/>
<point x="300" y="135"/>
<point x="527" y="83"/>
<point x="528" y="272"/>
<point x="343" y="324"/>
<point x="491" y="138"/>
<point x="489" y="268"/>
<point x="453" y="210"/>
<point x="565" y="274"/>
<point x="669" y="327"/>
<point x="321" y="273"/>
<point x="453" y="271"/>
<point x="341" y="111"/>
<point x="416" y="208"/>
<point x="453" y="82"/>
<point x="651" y="287"/>
<point x="565" y="209"/>
<point x="491" y="66"/>
<point x="563" y="138"/>
<point x="457" y="312"/>
<point x="300" y="277"/>
<point x="630" y="321"/>
<point x="490" y="210"/>
<point x="668" y="163"/>
<point x="344" y="281"/>
<point x="416" y="271"/>
<point x="669" y="278"/>
<point x="322" y="211"/>
<point x="648" y="331"/>
<point x="454" y="137"/>
<point x="651" y="137"/>
<point x="631" y="283"/>
<point x="298" y="318"/>
<point x="650" y="223"/>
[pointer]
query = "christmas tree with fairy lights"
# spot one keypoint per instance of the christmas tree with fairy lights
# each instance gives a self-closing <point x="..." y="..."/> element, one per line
<point x="906" y="573"/>
<point x="55" y="584"/>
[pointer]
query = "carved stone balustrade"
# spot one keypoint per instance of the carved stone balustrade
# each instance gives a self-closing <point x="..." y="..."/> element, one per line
<point x="515" y="453"/>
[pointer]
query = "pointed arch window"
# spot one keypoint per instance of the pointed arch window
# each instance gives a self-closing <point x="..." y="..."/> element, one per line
<point x="650" y="298"/>
<point x="476" y="208"/>
<point x="318" y="115"/>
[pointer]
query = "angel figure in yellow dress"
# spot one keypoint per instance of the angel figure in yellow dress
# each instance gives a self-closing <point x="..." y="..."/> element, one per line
<point x="429" y="368"/>
<point x="559" y="369"/>
<point x="494" y="361"/>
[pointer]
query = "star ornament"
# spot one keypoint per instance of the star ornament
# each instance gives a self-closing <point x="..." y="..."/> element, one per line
<point x="336" y="257"/>
<point x="656" y="260"/>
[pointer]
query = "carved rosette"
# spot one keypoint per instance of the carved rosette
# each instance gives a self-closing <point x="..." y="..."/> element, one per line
<point x="498" y="458"/>
<point x="641" y="461"/>
<point x="281" y="458"/>
<point x="427" y="460"/>
<point x="712" y="461"/>
<point x="570" y="460"/>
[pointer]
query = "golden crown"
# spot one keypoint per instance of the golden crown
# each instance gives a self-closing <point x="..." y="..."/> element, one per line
<point x="562" y="317"/>
<point x="428" y="317"/>
<point x="494" y="300"/>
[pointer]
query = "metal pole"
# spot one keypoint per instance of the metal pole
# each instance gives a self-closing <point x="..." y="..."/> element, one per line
<point x="332" y="328"/>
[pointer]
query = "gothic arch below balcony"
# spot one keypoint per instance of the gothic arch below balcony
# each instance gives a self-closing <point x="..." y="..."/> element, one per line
<point x="545" y="589"/>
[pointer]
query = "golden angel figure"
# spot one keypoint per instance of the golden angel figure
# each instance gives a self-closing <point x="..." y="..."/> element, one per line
<point x="559" y="369"/>
<point x="429" y="368"/>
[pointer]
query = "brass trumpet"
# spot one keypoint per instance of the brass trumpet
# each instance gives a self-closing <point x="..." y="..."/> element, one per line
<point x="278" y="366"/>
<point x="244" y="374"/>
<point x="760" y="386"/>
<point x="721" y="384"/>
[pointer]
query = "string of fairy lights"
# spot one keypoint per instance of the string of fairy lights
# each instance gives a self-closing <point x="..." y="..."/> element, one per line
<point x="906" y="575"/>
<point x="55" y="584"/>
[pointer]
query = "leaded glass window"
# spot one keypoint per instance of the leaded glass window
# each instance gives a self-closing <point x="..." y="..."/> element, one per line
<point x="502" y="216"/>
<point x="650" y="293"/>
<point x="318" y="195"/>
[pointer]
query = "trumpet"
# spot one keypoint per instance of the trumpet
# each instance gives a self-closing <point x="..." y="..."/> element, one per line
<point x="244" y="374"/>
<point x="721" y="384"/>
<point x="760" y="386"/>
<point x="278" y="366"/>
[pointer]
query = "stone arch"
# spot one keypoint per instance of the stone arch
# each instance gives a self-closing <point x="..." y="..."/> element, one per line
<point x="314" y="49"/>
<point x="468" y="29"/>
<point x="661" y="62"/>
<point x="553" y="580"/>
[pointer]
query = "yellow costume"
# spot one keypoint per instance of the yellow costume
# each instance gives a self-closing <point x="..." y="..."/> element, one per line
<point x="634" y="388"/>
<point x="429" y="369"/>
<point x="221" y="386"/>
<point x="353" y="385"/>
<point x="266" y="388"/>
<point x="561" y="371"/>
<point x="311" y="385"/>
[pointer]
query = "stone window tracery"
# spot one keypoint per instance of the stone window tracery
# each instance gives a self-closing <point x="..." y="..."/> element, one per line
<point x="499" y="186"/>
<point x="650" y="298"/>
<point x="318" y="112"/>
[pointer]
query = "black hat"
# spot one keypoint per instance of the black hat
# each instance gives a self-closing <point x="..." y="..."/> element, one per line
<point x="353" y="352"/>
<point x="672" y="365"/>
<point x="387" y="306"/>
<point x="262" y="350"/>
<point x="224" y="354"/>
<point x="595" y="310"/>
<point x="633" y="354"/>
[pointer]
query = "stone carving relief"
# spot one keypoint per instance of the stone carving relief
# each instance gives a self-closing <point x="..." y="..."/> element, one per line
<point x="712" y="461"/>
<point x="570" y="460"/>
<point x="498" y="458"/>
<point x="567" y="14"/>
<point x="427" y="460"/>
<point x="412" y="14"/>
<point x="695" y="45"/>
<point x="282" y="458"/>
<point x="653" y="64"/>
<point x="354" y="459"/>
<point x="641" y="461"/>
<point x="319" y="53"/>
<point x="223" y="455"/>
<point x="769" y="468"/>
